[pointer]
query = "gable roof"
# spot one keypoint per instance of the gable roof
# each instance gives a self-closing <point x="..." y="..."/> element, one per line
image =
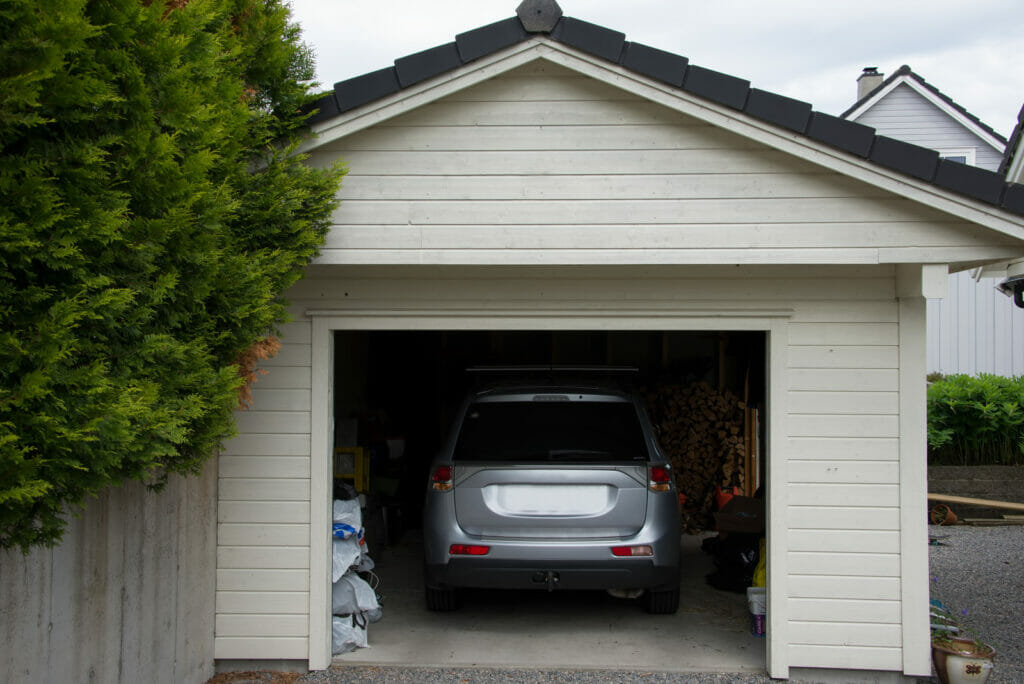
<point x="674" y="70"/>
<point x="906" y="76"/>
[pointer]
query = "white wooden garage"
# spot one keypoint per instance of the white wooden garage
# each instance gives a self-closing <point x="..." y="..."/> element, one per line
<point x="561" y="178"/>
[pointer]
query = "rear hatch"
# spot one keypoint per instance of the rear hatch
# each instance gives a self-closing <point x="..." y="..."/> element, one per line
<point x="551" y="466"/>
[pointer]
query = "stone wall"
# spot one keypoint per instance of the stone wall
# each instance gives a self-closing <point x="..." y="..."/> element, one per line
<point x="1000" y="483"/>
<point x="127" y="597"/>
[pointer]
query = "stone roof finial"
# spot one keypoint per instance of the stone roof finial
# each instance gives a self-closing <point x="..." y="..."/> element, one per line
<point x="539" y="16"/>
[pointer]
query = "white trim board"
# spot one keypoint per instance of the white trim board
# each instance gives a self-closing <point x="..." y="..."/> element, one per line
<point x="775" y="324"/>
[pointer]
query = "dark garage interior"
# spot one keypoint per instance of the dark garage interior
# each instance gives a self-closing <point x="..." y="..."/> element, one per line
<point x="396" y="393"/>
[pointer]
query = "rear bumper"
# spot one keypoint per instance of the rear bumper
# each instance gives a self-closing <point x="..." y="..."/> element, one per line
<point x="578" y="563"/>
<point x="628" y="573"/>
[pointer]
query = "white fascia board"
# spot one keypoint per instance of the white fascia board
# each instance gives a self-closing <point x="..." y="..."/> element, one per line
<point x="430" y="90"/>
<point x="944" y="106"/>
<point x="796" y="144"/>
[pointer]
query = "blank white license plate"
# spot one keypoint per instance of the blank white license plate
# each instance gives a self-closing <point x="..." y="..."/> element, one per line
<point x="548" y="499"/>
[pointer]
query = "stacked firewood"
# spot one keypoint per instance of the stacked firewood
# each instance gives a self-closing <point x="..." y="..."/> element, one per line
<point x="701" y="431"/>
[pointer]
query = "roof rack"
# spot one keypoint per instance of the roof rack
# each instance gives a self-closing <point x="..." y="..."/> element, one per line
<point x="552" y="369"/>
<point x="620" y="378"/>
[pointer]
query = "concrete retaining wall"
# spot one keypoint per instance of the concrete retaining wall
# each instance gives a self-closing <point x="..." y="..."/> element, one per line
<point x="1000" y="483"/>
<point x="127" y="597"/>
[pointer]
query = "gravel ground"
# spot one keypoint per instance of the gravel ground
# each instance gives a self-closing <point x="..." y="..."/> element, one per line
<point x="471" y="675"/>
<point x="977" y="572"/>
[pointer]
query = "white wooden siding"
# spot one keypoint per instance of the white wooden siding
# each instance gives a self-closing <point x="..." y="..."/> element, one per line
<point x="843" y="517"/>
<point x="975" y="329"/>
<point x="262" y="603"/>
<point x="544" y="164"/>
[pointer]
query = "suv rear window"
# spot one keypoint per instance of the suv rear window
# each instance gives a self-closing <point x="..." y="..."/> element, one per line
<point x="551" y="431"/>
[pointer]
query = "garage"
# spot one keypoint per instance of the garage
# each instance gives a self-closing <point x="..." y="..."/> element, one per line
<point x="400" y="390"/>
<point x="557" y="195"/>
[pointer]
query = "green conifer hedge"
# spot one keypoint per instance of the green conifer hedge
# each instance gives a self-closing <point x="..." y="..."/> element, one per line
<point x="152" y="211"/>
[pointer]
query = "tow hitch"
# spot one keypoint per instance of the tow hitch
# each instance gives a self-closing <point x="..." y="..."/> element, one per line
<point x="546" y="577"/>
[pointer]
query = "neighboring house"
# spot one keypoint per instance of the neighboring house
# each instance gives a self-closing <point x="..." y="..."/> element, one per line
<point x="543" y="174"/>
<point x="976" y="328"/>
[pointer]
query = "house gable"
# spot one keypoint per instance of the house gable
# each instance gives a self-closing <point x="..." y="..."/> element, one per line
<point x="485" y="52"/>
<point x="545" y="164"/>
<point x="902" y="86"/>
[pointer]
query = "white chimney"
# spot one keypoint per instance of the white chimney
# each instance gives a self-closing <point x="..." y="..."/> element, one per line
<point x="868" y="80"/>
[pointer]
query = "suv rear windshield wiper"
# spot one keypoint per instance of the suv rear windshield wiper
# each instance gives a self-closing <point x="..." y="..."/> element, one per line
<point x="587" y="455"/>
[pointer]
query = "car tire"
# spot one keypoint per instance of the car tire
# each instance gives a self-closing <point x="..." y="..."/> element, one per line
<point x="440" y="599"/>
<point x="662" y="602"/>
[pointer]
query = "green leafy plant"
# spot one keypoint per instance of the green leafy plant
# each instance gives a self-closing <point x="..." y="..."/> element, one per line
<point x="976" y="420"/>
<point x="154" y="210"/>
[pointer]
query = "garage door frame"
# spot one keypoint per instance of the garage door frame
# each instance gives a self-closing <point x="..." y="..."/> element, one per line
<point x="774" y="322"/>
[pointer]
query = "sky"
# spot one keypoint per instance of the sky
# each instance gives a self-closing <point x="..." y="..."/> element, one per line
<point x="812" y="50"/>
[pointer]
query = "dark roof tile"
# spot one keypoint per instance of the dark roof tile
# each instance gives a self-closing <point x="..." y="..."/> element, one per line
<point x="716" y="86"/>
<point x="491" y="38"/>
<point x="778" y="109"/>
<point x="972" y="181"/>
<point x="366" y="88"/>
<point x="658" y="64"/>
<point x="1013" y="198"/>
<point x="591" y="38"/>
<point x="423" y="65"/>
<point x="846" y="135"/>
<point x="539" y="16"/>
<point x="326" y="106"/>
<point x="897" y="155"/>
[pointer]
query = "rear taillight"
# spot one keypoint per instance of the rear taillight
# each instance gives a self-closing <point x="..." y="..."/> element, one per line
<point x="659" y="478"/>
<point x="468" y="550"/>
<point x="627" y="551"/>
<point x="441" y="478"/>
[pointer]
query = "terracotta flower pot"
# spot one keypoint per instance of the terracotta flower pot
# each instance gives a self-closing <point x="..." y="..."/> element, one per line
<point x="942" y="515"/>
<point x="959" y="661"/>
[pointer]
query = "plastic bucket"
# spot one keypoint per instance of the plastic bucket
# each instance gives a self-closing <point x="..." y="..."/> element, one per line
<point x="757" y="601"/>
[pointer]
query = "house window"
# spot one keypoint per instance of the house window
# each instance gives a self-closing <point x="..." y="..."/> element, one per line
<point x="964" y="155"/>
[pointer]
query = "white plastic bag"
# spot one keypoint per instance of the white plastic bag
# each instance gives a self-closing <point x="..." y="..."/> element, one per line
<point x="351" y="594"/>
<point x="348" y="633"/>
<point x="348" y="512"/>
<point x="365" y="563"/>
<point x="346" y="554"/>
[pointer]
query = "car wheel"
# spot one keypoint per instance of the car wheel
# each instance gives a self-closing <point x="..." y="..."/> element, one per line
<point x="444" y="599"/>
<point x="662" y="602"/>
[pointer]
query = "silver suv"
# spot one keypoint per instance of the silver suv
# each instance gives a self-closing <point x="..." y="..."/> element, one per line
<point x="551" y="486"/>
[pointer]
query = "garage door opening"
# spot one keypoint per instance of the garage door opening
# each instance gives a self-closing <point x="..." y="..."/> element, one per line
<point x="395" y="396"/>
